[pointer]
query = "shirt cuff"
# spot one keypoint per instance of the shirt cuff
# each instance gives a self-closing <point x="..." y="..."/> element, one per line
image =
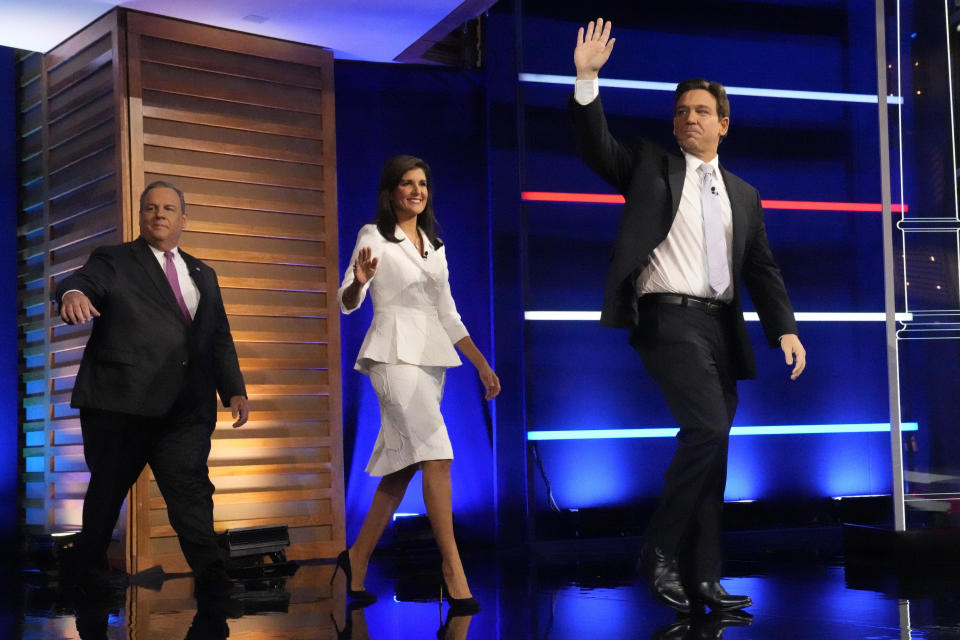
<point x="586" y="91"/>
<point x="361" y="296"/>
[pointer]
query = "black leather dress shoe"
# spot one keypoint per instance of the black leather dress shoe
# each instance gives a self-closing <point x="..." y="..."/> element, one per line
<point x="713" y="595"/>
<point x="712" y="626"/>
<point x="213" y="583"/>
<point x="725" y="619"/>
<point x="662" y="576"/>
<point x="679" y="630"/>
<point x="102" y="585"/>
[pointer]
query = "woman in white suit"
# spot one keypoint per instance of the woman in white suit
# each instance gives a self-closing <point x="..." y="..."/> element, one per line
<point x="410" y="343"/>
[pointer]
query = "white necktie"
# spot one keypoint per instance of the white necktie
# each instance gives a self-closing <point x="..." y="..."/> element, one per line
<point x="714" y="239"/>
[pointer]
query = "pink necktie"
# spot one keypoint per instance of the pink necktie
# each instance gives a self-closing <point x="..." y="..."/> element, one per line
<point x="715" y="241"/>
<point x="174" y="281"/>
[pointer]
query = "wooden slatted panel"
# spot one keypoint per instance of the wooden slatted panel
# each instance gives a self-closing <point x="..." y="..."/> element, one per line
<point x="71" y="198"/>
<point x="244" y="126"/>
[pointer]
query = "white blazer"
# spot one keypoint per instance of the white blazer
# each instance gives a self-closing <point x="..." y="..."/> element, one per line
<point x="415" y="320"/>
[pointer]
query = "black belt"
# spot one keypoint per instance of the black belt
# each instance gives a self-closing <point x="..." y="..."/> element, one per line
<point x="713" y="307"/>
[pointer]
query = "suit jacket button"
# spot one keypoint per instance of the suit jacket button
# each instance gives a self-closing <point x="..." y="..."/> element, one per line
<point x="184" y="363"/>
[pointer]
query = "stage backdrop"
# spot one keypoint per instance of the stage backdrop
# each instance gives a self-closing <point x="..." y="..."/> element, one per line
<point x="802" y="83"/>
<point x="802" y="78"/>
<point x="803" y="131"/>
<point x="245" y="126"/>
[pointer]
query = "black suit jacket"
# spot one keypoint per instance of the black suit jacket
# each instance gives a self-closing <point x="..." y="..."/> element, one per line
<point x="142" y="357"/>
<point x="651" y="181"/>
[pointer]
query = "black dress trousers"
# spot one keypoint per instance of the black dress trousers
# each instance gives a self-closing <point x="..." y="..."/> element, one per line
<point x="117" y="446"/>
<point x="686" y="351"/>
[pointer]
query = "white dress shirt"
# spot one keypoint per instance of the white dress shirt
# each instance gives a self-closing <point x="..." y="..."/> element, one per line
<point x="679" y="263"/>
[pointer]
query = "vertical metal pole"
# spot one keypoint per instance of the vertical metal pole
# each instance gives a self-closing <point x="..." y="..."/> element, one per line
<point x="889" y="299"/>
<point x="903" y="608"/>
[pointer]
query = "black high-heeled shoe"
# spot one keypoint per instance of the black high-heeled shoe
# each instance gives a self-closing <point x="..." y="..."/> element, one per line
<point x="458" y="606"/>
<point x="347" y="632"/>
<point x="361" y="596"/>
<point x="445" y="627"/>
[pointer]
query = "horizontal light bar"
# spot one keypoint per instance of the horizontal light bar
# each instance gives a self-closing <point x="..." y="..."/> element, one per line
<point x="827" y="316"/>
<point x="749" y="316"/>
<point x="587" y="316"/>
<point x="660" y="432"/>
<point x="805" y="205"/>
<point x="586" y="198"/>
<point x="646" y="85"/>
<point x="928" y="478"/>
<point x="401" y="514"/>
<point x="784" y="205"/>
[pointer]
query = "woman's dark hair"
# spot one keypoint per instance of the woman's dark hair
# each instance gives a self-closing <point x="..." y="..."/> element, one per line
<point x="386" y="218"/>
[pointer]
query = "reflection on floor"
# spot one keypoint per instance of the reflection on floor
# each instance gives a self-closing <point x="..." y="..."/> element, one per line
<point x="559" y="592"/>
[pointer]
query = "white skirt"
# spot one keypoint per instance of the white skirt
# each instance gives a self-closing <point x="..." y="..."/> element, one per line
<point x="411" y="427"/>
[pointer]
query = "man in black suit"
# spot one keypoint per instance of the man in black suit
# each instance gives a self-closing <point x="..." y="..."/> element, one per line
<point x="159" y="354"/>
<point x="691" y="233"/>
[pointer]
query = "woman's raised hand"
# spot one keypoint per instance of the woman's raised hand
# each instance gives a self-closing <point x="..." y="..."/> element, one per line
<point x="593" y="49"/>
<point x="365" y="266"/>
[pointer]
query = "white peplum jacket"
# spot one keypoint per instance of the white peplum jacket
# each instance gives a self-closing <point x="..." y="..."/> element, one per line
<point x="415" y="319"/>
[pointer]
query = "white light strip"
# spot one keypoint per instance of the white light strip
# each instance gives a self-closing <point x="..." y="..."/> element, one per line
<point x="400" y="514"/>
<point x="749" y="316"/>
<point x="643" y="85"/>
<point x="587" y="316"/>
<point x="825" y="316"/>
<point x="669" y="432"/>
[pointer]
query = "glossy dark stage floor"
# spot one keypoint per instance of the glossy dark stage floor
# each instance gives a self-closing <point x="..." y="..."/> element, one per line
<point x="560" y="591"/>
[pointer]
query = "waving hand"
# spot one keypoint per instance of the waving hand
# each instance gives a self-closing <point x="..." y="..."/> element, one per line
<point x="593" y="49"/>
<point x="365" y="266"/>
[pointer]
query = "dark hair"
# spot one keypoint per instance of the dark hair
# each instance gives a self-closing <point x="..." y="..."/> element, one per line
<point x="715" y="88"/>
<point x="161" y="183"/>
<point x="386" y="218"/>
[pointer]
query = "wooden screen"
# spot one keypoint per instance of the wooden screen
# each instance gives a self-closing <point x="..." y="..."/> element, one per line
<point x="244" y="126"/>
<point x="73" y="180"/>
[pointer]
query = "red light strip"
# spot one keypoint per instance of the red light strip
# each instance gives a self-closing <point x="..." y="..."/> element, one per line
<point x="794" y="205"/>
<point x="801" y="205"/>
<point x="555" y="196"/>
